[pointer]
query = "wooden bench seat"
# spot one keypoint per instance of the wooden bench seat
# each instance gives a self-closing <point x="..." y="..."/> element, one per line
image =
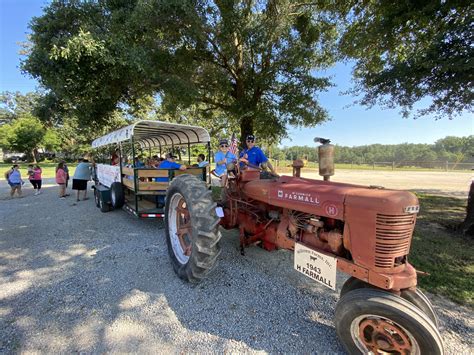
<point x="147" y="173"/>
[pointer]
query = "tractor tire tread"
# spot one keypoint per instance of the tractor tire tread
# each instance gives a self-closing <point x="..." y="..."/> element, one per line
<point x="205" y="249"/>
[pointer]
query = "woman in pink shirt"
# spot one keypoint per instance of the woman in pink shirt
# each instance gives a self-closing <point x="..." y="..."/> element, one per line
<point x="34" y="173"/>
<point x="61" y="179"/>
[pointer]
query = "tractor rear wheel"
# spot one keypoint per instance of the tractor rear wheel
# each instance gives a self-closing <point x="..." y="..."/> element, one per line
<point x="415" y="297"/>
<point x="191" y="227"/>
<point x="373" y="321"/>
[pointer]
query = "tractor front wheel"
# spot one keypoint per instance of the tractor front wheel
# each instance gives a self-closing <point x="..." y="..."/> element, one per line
<point x="415" y="297"/>
<point x="377" y="322"/>
<point x="191" y="226"/>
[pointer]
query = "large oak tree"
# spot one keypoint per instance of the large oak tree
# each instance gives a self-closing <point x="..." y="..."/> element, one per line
<point x="252" y="63"/>
<point x="408" y="51"/>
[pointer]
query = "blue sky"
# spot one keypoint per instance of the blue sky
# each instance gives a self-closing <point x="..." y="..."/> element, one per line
<point x="353" y="125"/>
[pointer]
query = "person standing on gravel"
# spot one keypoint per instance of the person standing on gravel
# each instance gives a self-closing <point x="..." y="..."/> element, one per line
<point x="13" y="177"/>
<point x="80" y="178"/>
<point x="66" y="170"/>
<point x="34" y="175"/>
<point x="61" y="179"/>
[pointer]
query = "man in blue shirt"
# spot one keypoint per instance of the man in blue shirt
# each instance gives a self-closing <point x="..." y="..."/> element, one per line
<point x="253" y="156"/>
<point x="222" y="158"/>
<point x="138" y="163"/>
<point x="169" y="163"/>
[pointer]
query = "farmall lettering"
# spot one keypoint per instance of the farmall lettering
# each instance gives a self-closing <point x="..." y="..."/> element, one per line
<point x="303" y="197"/>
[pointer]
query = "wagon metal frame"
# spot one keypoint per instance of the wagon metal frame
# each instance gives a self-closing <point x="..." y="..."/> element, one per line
<point x="148" y="134"/>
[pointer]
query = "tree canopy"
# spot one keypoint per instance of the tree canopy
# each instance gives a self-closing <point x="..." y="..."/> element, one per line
<point x="252" y="63"/>
<point x="29" y="122"/>
<point x="24" y="134"/>
<point x="409" y="50"/>
<point x="16" y="104"/>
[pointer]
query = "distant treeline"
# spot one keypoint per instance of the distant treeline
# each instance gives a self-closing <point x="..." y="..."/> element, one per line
<point x="452" y="149"/>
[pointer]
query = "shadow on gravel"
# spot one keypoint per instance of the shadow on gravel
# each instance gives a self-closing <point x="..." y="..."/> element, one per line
<point x="256" y="299"/>
<point x="78" y="280"/>
<point x="75" y="279"/>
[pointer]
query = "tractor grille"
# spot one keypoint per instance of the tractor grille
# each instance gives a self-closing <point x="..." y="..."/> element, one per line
<point x="392" y="238"/>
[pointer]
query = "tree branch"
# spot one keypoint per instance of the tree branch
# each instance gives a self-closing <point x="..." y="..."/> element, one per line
<point x="209" y="101"/>
<point x="222" y="56"/>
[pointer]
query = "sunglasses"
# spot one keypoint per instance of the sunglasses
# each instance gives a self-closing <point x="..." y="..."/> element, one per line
<point x="250" y="140"/>
<point x="224" y="146"/>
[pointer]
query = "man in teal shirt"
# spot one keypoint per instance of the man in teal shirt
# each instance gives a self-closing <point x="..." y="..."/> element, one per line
<point x="82" y="175"/>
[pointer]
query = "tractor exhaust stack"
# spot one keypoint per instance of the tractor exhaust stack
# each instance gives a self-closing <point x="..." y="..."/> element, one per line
<point x="326" y="158"/>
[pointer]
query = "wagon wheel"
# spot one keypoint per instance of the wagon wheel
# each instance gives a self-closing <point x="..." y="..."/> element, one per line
<point x="191" y="224"/>
<point x="415" y="297"/>
<point x="377" y="322"/>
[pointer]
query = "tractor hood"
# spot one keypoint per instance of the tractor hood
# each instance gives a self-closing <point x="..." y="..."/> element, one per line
<point x="329" y="199"/>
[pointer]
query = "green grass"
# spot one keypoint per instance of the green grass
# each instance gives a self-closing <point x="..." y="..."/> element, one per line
<point x="49" y="170"/>
<point x="285" y="165"/>
<point x="441" y="251"/>
<point x="216" y="193"/>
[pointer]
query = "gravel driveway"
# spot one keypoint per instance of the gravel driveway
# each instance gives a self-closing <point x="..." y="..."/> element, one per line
<point x="76" y="280"/>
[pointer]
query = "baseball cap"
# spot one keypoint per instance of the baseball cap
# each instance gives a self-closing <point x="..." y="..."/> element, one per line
<point x="170" y="156"/>
<point x="250" y="137"/>
<point x="223" y="141"/>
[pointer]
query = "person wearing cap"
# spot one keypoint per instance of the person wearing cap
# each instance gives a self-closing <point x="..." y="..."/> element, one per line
<point x="168" y="163"/>
<point x="253" y="156"/>
<point x="222" y="158"/>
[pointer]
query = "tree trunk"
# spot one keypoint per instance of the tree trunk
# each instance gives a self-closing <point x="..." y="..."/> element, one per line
<point x="33" y="155"/>
<point x="246" y="128"/>
<point x="467" y="227"/>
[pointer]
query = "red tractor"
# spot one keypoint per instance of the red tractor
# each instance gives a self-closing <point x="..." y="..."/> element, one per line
<point x="364" y="232"/>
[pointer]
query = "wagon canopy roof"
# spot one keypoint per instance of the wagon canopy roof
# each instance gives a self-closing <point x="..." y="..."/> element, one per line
<point x="151" y="134"/>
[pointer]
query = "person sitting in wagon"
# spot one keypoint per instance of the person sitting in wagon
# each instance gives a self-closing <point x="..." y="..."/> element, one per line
<point x="202" y="161"/>
<point x="168" y="163"/>
<point x="138" y="162"/>
<point x="115" y="159"/>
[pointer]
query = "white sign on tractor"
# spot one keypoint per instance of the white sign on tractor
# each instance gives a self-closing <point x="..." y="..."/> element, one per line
<point x="317" y="266"/>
